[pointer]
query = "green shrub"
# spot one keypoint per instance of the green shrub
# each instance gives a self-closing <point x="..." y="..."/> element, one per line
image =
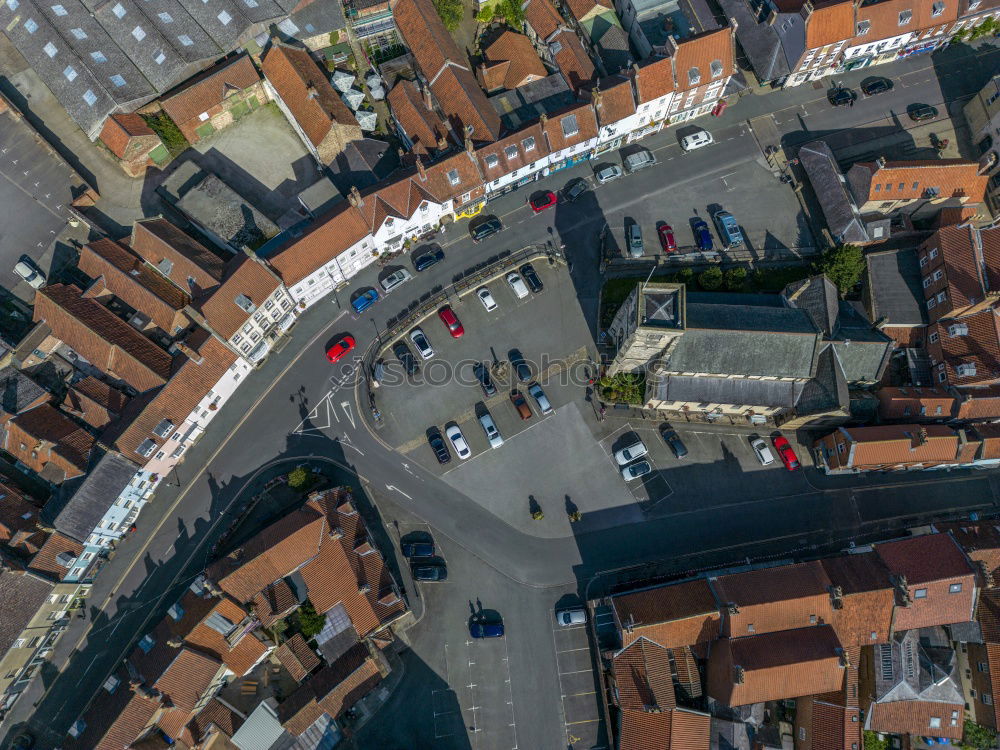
<point x="685" y="275"/>
<point x="451" y="12"/>
<point x="310" y="621"/>
<point x="710" y="278"/>
<point x="623" y="388"/>
<point x="300" y="478"/>
<point x="976" y="737"/>
<point x="843" y="266"/>
<point x="171" y="135"/>
<point x="511" y="11"/>
<point x="735" y="278"/>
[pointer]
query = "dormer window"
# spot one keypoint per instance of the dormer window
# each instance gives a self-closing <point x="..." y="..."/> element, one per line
<point x="965" y="370"/>
<point x="716" y="68"/>
<point x="492" y="161"/>
<point x="164" y="428"/>
<point x="864" y="27"/>
<point x="958" y="329"/>
<point x="905" y="16"/>
<point x="528" y="144"/>
<point x="694" y="76"/>
<point x="569" y="126"/>
<point x="453" y="177"/>
<point x="510" y="152"/>
<point x="937" y="9"/>
<point x="244" y="303"/>
<point x="146" y="448"/>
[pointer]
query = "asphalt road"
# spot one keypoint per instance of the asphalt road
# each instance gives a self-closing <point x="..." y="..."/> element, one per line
<point x="296" y="407"/>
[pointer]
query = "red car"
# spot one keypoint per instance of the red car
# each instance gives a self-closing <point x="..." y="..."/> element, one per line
<point x="786" y="454"/>
<point x="666" y="233"/>
<point x="336" y="352"/>
<point x="451" y="321"/>
<point x="540" y="201"/>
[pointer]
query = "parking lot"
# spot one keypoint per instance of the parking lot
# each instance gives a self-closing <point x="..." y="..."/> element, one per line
<point x="578" y="686"/>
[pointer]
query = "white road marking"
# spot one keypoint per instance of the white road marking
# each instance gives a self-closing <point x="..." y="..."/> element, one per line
<point x="391" y="487"/>
<point x="346" y="406"/>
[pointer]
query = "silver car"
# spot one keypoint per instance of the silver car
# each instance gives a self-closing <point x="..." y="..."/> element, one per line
<point x="636" y="470"/>
<point x="486" y="297"/>
<point x="762" y="452"/>
<point x="631" y="452"/>
<point x="607" y="173"/>
<point x="517" y="285"/>
<point x="420" y="341"/>
<point x="395" y="279"/>
<point x="492" y="433"/>
<point x="30" y="274"/>
<point x="568" y="617"/>
<point x="540" y="398"/>
<point x="457" y="439"/>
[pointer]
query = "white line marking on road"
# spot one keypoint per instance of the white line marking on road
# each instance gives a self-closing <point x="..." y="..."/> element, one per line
<point x="346" y="406"/>
<point x="393" y="488"/>
<point x="578" y="671"/>
<point x="571" y="650"/>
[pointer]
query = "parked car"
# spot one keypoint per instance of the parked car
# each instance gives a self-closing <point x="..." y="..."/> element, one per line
<point x="702" y="236"/>
<point x="395" y="280"/>
<point x="608" y="172"/>
<point x="430" y="572"/>
<point x="440" y="448"/>
<point x="420" y="341"/>
<point x="454" y="434"/>
<point x="340" y="349"/>
<point x="486" y="297"/>
<point x="666" y="234"/>
<point x="762" y="452"/>
<point x="486" y="227"/>
<point x="632" y="451"/>
<point x="424" y="260"/>
<point x="697" y="140"/>
<point x="405" y="357"/>
<point x="729" y="230"/>
<point x="574" y="189"/>
<point x="29" y="273"/>
<point x="542" y="200"/>
<point x="540" y="398"/>
<point x="636" y="470"/>
<point x="674" y="442"/>
<point x="785" y="453"/>
<point x="517" y="285"/>
<point x="529" y="275"/>
<point x="418" y="549"/>
<point x="634" y="237"/>
<point x="567" y="617"/>
<point x="364" y="300"/>
<point x="483" y="376"/>
<point x="492" y="433"/>
<point x="478" y="629"/>
<point x="876" y="85"/>
<point x="451" y="322"/>
<point x="841" y="96"/>
<point x="921" y="112"/>
<point x="521" y="369"/>
<point x="639" y="160"/>
<point x="520" y="405"/>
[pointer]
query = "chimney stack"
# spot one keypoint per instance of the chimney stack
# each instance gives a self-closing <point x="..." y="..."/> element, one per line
<point x="442" y="143"/>
<point x="355" y="197"/>
<point x="311" y="92"/>
<point x="420" y="169"/>
<point x="739" y="675"/>
<point x="880" y="162"/>
<point x="427" y="98"/>
<point x="175" y="641"/>
<point x="188" y="352"/>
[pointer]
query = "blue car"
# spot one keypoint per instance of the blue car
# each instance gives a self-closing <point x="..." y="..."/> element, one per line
<point x="364" y="301"/>
<point x="702" y="236"/>
<point x="486" y="630"/>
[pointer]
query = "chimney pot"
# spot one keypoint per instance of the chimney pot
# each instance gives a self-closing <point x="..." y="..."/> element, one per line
<point x="311" y="92"/>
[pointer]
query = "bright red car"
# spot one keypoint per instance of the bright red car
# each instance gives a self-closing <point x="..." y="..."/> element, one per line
<point x="666" y="233"/>
<point x="540" y="201"/>
<point x="451" y="321"/>
<point x="786" y="454"/>
<point x="336" y="352"/>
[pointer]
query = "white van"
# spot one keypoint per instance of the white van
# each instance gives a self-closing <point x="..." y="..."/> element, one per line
<point x="696" y="140"/>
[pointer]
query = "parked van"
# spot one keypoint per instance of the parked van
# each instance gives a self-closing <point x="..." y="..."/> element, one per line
<point x="729" y="230"/>
<point x="639" y="160"/>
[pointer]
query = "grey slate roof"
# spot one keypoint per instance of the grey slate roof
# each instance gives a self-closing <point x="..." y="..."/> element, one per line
<point x="102" y="486"/>
<point x="818" y="296"/>
<point x="772" y="393"/>
<point x="525" y="103"/>
<point x="896" y="288"/>
<point x="827" y="391"/>
<point x="21" y="594"/>
<point x="748" y="318"/>
<point x="759" y="40"/>
<point x="841" y="214"/>
<point x="862" y="350"/>
<point x="611" y="44"/>
<point x="319" y="16"/>
<point x="17" y="390"/>
<point x="363" y="163"/>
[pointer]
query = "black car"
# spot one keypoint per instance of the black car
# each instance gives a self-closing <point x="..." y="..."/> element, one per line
<point x="483" y="376"/>
<point x="488" y="226"/>
<point x="430" y="572"/>
<point x="425" y="259"/>
<point x="405" y="356"/>
<point x="921" y="112"/>
<point x="841" y="96"/>
<point x="418" y="549"/>
<point x="574" y="189"/>
<point x="528" y="272"/>
<point x="441" y="452"/>
<point x="878" y="85"/>
<point x="521" y="368"/>
<point x="673" y="442"/>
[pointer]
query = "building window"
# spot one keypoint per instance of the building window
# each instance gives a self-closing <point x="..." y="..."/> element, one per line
<point x="938" y="274"/>
<point x="937" y="9"/>
<point x="138" y="33"/>
<point x="185" y="40"/>
<point x="942" y="296"/>
<point x="935" y="722"/>
<point x="920" y="594"/>
<point x="147" y="643"/>
<point x="34" y="641"/>
<point x="569" y="126"/>
<point x="50" y="49"/>
<point x="491" y="161"/>
<point x="942" y="376"/>
<point x="934" y="251"/>
<point x="987" y="699"/>
<point x="931" y="304"/>
<point x="19" y="643"/>
<point x="166" y="17"/>
<point x="453" y="177"/>
<point x="923" y="261"/>
<point x="933" y="338"/>
<point x="510" y="152"/>
<point x="878" y="188"/>
<point x="528" y="144"/>
<point x="224" y="18"/>
<point x="118" y="10"/>
<point x="716" y="68"/>
<point x="927" y="281"/>
<point x="694" y="76"/>
<point x="905" y="16"/>
<point x="955" y="588"/>
<point x="70" y="73"/>
<point x="983" y="666"/>
<point x="864" y="27"/>
<point x="79" y="33"/>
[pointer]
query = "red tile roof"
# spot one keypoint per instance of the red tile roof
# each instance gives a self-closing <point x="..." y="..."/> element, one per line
<point x="45" y="562"/>
<point x="239" y="650"/>
<point x="512" y="152"/>
<point x="133" y="281"/>
<point x="177" y="399"/>
<point x="215" y="714"/>
<point x="773" y="666"/>
<point x="120" y="129"/>
<point x="464" y="103"/>
<point x="305" y="90"/>
<point x="16" y="513"/>
<point x="613" y="99"/>
<point x="465" y="167"/>
<point x="50" y="432"/>
<point x="915" y="717"/>
<point x="771" y="599"/>
<point x="422" y="125"/>
<point x="95" y="402"/>
<point x="187" y="678"/>
<point x="979" y="346"/>
<point x="246" y="277"/>
<point x="829" y="23"/>
<point x="710" y="54"/>
<point x="331" y="235"/>
<point x="572" y="59"/>
<point x="186" y="262"/>
<point x="958" y="266"/>
<point x="915" y="402"/>
<point x="642" y="676"/>
<point x="510" y="61"/>
<point x="981" y="542"/>
<point x="543" y="18"/>
<point x="297" y="657"/>
<point x="679" y="614"/>
<point x="833" y="726"/>
<point x="274" y="602"/>
<point x="654" y="78"/>
<point x="951" y="177"/>
<point x="866" y="598"/>
<point x="398" y="199"/>
<point x="570" y="126"/>
<point x="678" y="729"/>
<point x="210" y="88"/>
<point x="979" y="403"/>
<point x="892" y="445"/>
<point x="278" y="550"/>
<point x="101" y="337"/>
